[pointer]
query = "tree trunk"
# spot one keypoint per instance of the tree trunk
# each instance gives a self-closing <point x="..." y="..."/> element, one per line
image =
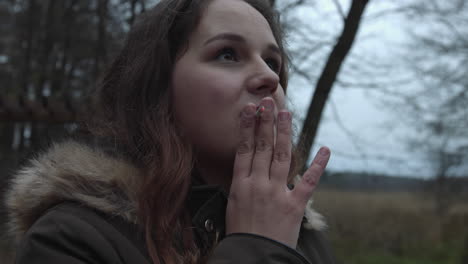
<point x="59" y="78"/>
<point x="132" y="12"/>
<point x="46" y="71"/>
<point x="45" y="64"/>
<point x="100" y="52"/>
<point x="7" y="131"/>
<point x="26" y="71"/>
<point x="328" y="77"/>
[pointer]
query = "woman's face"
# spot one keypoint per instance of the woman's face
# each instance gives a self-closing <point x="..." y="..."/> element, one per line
<point x="232" y="59"/>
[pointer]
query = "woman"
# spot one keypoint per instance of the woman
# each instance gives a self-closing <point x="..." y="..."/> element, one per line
<point x="189" y="157"/>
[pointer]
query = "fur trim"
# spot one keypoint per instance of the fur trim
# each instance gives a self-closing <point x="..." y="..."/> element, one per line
<point x="314" y="220"/>
<point x="74" y="172"/>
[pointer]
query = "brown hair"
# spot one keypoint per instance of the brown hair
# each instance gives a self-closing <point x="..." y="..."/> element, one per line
<point x="132" y="107"/>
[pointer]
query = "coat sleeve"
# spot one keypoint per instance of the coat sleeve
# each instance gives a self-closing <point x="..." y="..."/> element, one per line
<point x="250" y="248"/>
<point x="57" y="237"/>
<point x="315" y="247"/>
<point x="73" y="235"/>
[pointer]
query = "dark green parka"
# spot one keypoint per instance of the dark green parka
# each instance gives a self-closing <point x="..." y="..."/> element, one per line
<point x="76" y="204"/>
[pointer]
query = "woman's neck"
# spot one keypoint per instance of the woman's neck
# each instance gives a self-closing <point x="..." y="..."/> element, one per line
<point x="215" y="175"/>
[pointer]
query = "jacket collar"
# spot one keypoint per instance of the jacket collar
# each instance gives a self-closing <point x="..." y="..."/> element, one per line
<point x="77" y="172"/>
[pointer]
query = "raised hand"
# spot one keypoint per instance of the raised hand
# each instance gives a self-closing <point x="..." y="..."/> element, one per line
<point x="259" y="200"/>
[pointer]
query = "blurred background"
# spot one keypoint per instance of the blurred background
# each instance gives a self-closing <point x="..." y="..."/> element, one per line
<point x="384" y="84"/>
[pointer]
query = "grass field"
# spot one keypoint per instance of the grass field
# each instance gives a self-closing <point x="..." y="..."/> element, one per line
<point x="5" y="253"/>
<point x="394" y="227"/>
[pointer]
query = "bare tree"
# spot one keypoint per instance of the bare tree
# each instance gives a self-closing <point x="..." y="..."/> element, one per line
<point x="63" y="47"/>
<point x="328" y="77"/>
<point x="436" y="106"/>
<point x="438" y="57"/>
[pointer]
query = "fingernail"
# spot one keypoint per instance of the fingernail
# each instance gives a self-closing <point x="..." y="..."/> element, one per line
<point x="324" y="151"/>
<point x="248" y="112"/>
<point x="283" y="116"/>
<point x="268" y="104"/>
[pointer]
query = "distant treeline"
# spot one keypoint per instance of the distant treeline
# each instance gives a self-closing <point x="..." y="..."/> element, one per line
<point x="355" y="181"/>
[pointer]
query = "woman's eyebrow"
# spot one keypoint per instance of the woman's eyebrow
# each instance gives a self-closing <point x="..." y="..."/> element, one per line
<point x="227" y="36"/>
<point x="238" y="38"/>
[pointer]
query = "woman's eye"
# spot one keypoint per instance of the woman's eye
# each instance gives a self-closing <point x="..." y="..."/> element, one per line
<point x="227" y="54"/>
<point x="273" y="64"/>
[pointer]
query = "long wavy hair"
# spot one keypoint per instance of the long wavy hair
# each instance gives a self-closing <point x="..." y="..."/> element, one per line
<point x="132" y="107"/>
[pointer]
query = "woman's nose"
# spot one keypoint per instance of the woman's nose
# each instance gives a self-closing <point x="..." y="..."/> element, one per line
<point x="262" y="80"/>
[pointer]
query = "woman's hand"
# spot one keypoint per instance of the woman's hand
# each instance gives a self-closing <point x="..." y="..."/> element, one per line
<point x="259" y="200"/>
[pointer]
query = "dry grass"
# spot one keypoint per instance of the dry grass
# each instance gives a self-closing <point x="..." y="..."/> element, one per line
<point x="395" y="223"/>
<point x="6" y="253"/>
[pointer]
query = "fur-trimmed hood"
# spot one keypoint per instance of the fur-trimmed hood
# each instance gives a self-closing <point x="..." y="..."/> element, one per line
<point x="72" y="171"/>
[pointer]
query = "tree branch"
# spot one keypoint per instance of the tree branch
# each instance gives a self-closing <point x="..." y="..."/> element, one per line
<point x="340" y="9"/>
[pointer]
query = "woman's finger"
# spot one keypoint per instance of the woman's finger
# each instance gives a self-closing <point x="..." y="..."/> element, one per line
<point x="246" y="147"/>
<point x="280" y="164"/>
<point x="264" y="140"/>
<point x="304" y="189"/>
